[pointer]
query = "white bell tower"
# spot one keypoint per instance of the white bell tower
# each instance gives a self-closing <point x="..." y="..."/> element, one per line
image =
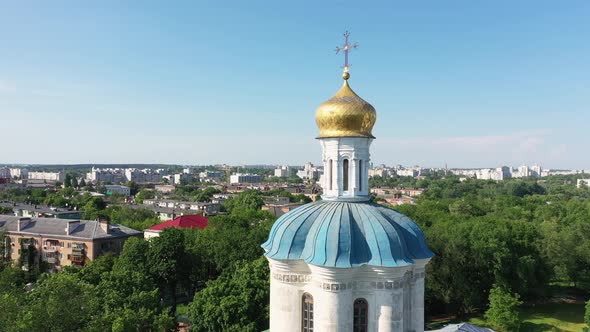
<point x="345" y="263"/>
<point x="346" y="171"/>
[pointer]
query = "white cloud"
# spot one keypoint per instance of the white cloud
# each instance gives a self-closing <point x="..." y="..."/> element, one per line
<point x="533" y="146"/>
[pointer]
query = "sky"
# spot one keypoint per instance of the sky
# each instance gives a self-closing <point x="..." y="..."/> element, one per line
<point x="463" y="83"/>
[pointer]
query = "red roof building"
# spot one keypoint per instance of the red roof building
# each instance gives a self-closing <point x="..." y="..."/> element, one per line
<point x="189" y="221"/>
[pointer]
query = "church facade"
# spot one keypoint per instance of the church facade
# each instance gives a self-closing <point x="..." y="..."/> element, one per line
<point x="345" y="263"/>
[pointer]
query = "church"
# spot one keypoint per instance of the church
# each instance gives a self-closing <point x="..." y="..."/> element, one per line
<point x="345" y="263"/>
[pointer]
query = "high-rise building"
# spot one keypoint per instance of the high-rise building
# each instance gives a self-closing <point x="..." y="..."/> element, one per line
<point x="282" y="171"/>
<point x="5" y="173"/>
<point x="309" y="172"/>
<point x="47" y="176"/>
<point x="244" y="178"/>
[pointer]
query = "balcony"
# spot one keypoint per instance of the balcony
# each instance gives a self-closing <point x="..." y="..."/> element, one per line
<point x="26" y="242"/>
<point x="52" y="260"/>
<point x="51" y="243"/>
<point x="77" y="259"/>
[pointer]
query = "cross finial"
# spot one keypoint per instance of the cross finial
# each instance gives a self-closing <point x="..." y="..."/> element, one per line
<point x="347" y="47"/>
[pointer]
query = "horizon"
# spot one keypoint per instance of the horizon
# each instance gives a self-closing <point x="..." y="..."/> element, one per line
<point x="460" y="83"/>
<point x="137" y="165"/>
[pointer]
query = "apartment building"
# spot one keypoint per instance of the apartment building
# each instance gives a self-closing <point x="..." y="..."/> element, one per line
<point x="60" y="242"/>
<point x="47" y="176"/>
<point x="115" y="188"/>
<point x="245" y="178"/>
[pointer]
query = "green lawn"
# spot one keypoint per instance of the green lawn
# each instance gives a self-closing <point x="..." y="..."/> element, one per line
<point x="553" y="317"/>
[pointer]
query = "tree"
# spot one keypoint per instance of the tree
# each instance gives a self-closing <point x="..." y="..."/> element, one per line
<point x="11" y="278"/>
<point x="63" y="298"/>
<point x="82" y="183"/>
<point x="205" y="195"/>
<point x="219" y="238"/>
<point x="134" y="257"/>
<point x="142" y="319"/>
<point x="29" y="258"/>
<point x="133" y="187"/>
<point x="101" y="188"/>
<point x="168" y="263"/>
<point x="129" y="302"/>
<point x="144" y="194"/>
<point x="6" y="210"/>
<point x="587" y="314"/>
<point x="93" y="208"/>
<point x="93" y="272"/>
<point x="301" y="198"/>
<point x="567" y="241"/>
<point x="139" y="219"/>
<point x="4" y="246"/>
<point x="68" y="181"/>
<point x="236" y="301"/>
<point x="503" y="310"/>
<point x="12" y="298"/>
<point x="125" y="297"/>
<point x="247" y="200"/>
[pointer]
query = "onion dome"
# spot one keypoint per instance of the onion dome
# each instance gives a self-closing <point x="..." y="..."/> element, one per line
<point x="346" y="234"/>
<point x="346" y="114"/>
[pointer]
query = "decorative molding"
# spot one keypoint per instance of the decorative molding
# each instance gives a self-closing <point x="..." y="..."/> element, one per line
<point x="292" y="278"/>
<point x="336" y="286"/>
<point x="408" y="279"/>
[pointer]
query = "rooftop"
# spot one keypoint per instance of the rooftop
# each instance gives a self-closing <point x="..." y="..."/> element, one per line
<point x="37" y="208"/>
<point x="463" y="327"/>
<point x="190" y="221"/>
<point x="346" y="234"/>
<point x="82" y="229"/>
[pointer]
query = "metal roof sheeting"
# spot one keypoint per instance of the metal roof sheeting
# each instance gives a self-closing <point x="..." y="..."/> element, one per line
<point x="346" y="234"/>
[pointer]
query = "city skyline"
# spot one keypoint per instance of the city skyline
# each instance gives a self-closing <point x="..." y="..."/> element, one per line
<point x="469" y="85"/>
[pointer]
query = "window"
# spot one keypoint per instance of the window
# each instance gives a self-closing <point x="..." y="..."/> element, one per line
<point x="360" y="175"/>
<point x="345" y="175"/>
<point x="330" y="174"/>
<point x="361" y="308"/>
<point x="307" y="313"/>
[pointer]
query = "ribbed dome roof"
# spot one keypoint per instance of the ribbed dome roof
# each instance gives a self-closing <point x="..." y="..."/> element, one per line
<point x="346" y="234"/>
<point x="345" y="115"/>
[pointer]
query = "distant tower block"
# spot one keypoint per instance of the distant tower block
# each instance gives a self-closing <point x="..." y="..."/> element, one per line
<point x="345" y="263"/>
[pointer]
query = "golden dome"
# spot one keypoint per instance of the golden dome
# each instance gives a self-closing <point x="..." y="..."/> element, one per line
<point x="345" y="115"/>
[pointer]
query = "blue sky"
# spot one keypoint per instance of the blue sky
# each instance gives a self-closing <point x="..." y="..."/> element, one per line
<point x="468" y="83"/>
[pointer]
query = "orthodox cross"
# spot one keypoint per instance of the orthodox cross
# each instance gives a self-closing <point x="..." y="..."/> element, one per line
<point x="347" y="47"/>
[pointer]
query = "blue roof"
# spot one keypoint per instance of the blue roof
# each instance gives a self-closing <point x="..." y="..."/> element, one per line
<point x="346" y="234"/>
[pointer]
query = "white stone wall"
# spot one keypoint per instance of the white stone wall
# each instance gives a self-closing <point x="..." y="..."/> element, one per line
<point x="395" y="296"/>
<point x="354" y="149"/>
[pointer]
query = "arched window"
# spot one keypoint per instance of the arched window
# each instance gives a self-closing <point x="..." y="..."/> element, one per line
<point x="345" y="175"/>
<point x="330" y="171"/>
<point x="307" y="313"/>
<point x="361" y="308"/>
<point x="360" y="175"/>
